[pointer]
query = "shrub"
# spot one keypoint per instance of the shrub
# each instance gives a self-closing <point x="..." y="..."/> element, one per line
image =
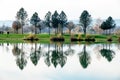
<point x="89" y="38"/>
<point x="109" y="39"/>
<point x="80" y="37"/>
<point x="119" y="39"/>
<point x="31" y="37"/>
<point x="74" y="39"/>
<point x="59" y="37"/>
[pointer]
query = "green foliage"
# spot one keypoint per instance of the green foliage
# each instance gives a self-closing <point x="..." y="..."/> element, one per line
<point x="48" y="20"/>
<point x="55" y="19"/>
<point x="108" y="24"/>
<point x="35" y="20"/>
<point x="22" y="16"/>
<point x="63" y="18"/>
<point x="85" y="20"/>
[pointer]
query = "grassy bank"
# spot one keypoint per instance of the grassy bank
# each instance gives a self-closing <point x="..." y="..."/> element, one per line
<point x="45" y="38"/>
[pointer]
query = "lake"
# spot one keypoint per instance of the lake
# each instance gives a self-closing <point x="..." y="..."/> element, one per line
<point x="36" y="61"/>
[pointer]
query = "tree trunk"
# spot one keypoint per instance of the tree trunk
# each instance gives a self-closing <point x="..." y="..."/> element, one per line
<point x="40" y="31"/>
<point x="49" y="30"/>
<point x="35" y="29"/>
<point x="17" y="31"/>
<point x="55" y="31"/>
<point x="22" y="29"/>
<point x="70" y="32"/>
<point x="84" y="48"/>
<point x="106" y="32"/>
<point x="62" y="29"/>
<point x="14" y="31"/>
<point x="22" y="26"/>
<point x="84" y="31"/>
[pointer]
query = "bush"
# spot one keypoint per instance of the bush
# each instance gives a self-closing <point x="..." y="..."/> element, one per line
<point x="109" y="39"/>
<point x="89" y="38"/>
<point x="31" y="37"/>
<point x="74" y="39"/>
<point x="119" y="39"/>
<point x="59" y="37"/>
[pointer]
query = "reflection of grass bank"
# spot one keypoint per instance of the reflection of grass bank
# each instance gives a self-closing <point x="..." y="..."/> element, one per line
<point x="45" y="38"/>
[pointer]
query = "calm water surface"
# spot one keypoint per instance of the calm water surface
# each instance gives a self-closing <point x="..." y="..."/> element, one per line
<point x="35" y="61"/>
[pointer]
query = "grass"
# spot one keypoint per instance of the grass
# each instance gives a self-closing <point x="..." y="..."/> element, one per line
<point x="45" y="38"/>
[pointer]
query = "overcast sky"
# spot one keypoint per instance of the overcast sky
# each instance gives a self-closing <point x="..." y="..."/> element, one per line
<point x="72" y="8"/>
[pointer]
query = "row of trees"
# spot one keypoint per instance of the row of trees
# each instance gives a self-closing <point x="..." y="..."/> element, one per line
<point x="56" y="20"/>
<point x="59" y="21"/>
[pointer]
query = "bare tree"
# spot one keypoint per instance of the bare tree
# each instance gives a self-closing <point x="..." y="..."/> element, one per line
<point x="70" y="26"/>
<point x="16" y="26"/>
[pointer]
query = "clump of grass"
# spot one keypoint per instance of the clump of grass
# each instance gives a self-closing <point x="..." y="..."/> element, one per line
<point x="119" y="39"/>
<point x="80" y="37"/>
<point x="109" y="38"/>
<point x="89" y="38"/>
<point x="31" y="37"/>
<point x="58" y="38"/>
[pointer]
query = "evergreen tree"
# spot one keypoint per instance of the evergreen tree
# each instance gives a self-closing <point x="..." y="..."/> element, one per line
<point x="85" y="20"/>
<point x="48" y="20"/>
<point x="55" y="21"/>
<point x="63" y="20"/>
<point x="35" y="20"/>
<point x="22" y="16"/>
<point x="108" y="24"/>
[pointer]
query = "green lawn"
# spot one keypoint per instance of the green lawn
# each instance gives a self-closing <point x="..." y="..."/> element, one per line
<point x="45" y="38"/>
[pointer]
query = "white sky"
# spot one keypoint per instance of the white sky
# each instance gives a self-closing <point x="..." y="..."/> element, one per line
<point x="72" y="8"/>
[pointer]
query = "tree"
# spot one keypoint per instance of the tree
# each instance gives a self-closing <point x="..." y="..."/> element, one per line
<point x="97" y="25"/>
<point x="35" y="20"/>
<point x="70" y="26"/>
<point x="84" y="58"/>
<point x="107" y="53"/>
<point x="22" y="16"/>
<point x="104" y="26"/>
<point x="85" y="20"/>
<point x="16" y="25"/>
<point x="48" y="20"/>
<point x="63" y="20"/>
<point x="35" y="56"/>
<point x="55" y="21"/>
<point x="108" y="24"/>
<point x="40" y="25"/>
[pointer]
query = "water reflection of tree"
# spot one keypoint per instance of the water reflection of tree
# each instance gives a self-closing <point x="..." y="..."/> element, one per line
<point x="55" y="56"/>
<point x="47" y="57"/>
<point x="84" y="58"/>
<point x="69" y="51"/>
<point x="107" y="53"/>
<point x="20" y="56"/>
<point x="35" y="55"/>
<point x="58" y="57"/>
